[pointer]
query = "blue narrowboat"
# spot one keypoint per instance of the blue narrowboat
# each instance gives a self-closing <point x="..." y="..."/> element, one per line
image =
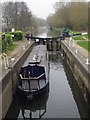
<point x="34" y="75"/>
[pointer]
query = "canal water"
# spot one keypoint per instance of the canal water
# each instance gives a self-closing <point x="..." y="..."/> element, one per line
<point x="64" y="99"/>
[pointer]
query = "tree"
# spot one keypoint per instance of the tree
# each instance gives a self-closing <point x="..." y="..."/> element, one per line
<point x="74" y="15"/>
<point x="14" y="14"/>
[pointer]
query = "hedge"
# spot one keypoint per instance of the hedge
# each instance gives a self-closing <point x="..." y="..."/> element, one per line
<point x="18" y="35"/>
<point x="7" y="42"/>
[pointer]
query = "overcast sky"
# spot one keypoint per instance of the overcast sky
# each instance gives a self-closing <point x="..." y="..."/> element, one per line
<point x="41" y="8"/>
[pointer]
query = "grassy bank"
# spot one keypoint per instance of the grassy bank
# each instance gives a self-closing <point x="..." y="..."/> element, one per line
<point x="85" y="44"/>
<point x="87" y="36"/>
<point x="80" y="37"/>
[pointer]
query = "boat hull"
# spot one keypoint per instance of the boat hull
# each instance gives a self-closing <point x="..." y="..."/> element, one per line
<point x="30" y="95"/>
<point x="33" y="79"/>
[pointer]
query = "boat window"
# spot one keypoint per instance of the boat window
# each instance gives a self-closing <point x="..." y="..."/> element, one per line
<point x="33" y="71"/>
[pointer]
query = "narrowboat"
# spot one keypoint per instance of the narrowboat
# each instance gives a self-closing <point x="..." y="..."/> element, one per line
<point x="34" y="74"/>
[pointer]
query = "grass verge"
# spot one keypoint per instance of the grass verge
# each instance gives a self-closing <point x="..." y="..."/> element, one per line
<point x="80" y="37"/>
<point x="85" y="44"/>
<point x="87" y="36"/>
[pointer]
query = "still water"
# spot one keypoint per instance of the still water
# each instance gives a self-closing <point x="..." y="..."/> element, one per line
<point x="63" y="101"/>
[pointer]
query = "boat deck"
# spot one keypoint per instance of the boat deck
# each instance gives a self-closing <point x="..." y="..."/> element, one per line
<point x="33" y="85"/>
<point x="39" y="52"/>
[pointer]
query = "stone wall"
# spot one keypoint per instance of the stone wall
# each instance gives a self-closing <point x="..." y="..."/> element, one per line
<point x="9" y="80"/>
<point x="80" y="71"/>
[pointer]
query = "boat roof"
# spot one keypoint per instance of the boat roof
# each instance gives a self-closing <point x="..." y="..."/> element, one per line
<point x="37" y="56"/>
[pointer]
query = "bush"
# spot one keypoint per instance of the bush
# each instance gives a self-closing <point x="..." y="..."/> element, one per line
<point x="18" y="35"/>
<point x="8" y="38"/>
<point x="7" y="42"/>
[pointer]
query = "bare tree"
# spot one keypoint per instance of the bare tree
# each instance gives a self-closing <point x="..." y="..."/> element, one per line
<point x="74" y="15"/>
<point x="16" y="14"/>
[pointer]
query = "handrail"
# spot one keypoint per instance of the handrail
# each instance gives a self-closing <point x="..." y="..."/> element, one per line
<point x="40" y="75"/>
<point x="33" y="78"/>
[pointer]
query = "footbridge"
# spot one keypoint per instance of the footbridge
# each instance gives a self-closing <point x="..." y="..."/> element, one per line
<point x="53" y="43"/>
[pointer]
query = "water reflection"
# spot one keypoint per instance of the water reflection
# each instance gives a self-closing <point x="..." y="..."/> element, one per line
<point x="33" y="109"/>
<point x="61" y="103"/>
<point x="56" y="61"/>
<point x="42" y="32"/>
<point x="76" y="92"/>
<point x="45" y="32"/>
<point x="28" y="109"/>
<point x="53" y="33"/>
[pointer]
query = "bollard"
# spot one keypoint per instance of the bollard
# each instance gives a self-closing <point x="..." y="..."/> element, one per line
<point x="76" y="51"/>
<point x="29" y="42"/>
<point x="13" y="59"/>
<point x="23" y="47"/>
<point x="87" y="61"/>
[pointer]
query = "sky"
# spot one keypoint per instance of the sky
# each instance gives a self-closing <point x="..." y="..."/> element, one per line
<point x="41" y="8"/>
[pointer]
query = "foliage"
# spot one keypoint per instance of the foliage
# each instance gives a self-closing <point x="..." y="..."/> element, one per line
<point x="85" y="44"/>
<point x="14" y="14"/>
<point x="18" y="35"/>
<point x="7" y="42"/>
<point x="8" y="39"/>
<point x="17" y="15"/>
<point x="73" y="15"/>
